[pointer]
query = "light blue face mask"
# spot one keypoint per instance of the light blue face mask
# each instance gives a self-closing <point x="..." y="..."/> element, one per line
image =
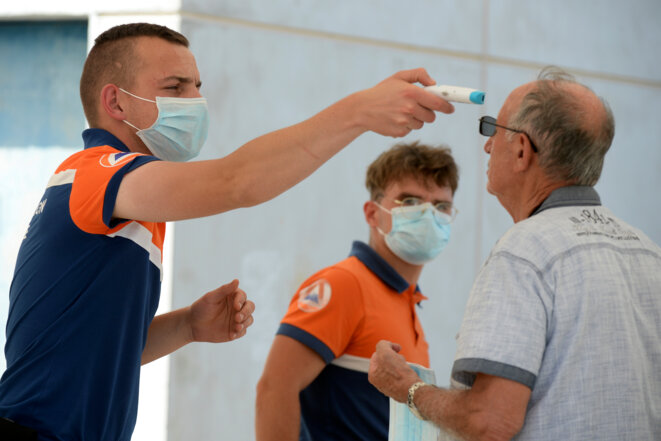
<point x="179" y="130"/>
<point x="417" y="234"/>
<point x="403" y="425"/>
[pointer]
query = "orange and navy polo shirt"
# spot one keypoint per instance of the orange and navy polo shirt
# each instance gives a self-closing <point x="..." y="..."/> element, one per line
<point x="341" y="312"/>
<point x="85" y="289"/>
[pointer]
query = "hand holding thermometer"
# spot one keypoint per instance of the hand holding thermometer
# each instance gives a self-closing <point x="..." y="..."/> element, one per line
<point x="457" y="94"/>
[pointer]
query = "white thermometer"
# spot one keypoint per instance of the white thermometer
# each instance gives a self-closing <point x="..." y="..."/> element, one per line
<point x="458" y="94"/>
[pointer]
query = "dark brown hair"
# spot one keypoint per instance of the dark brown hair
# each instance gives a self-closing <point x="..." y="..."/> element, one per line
<point x="112" y="60"/>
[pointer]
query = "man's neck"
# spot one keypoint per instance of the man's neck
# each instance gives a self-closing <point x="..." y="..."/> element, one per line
<point x="410" y="273"/>
<point x="531" y="195"/>
<point x="125" y="134"/>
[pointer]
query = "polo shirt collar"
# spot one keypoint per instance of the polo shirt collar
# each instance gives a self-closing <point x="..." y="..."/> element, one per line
<point x="571" y="196"/>
<point x="97" y="137"/>
<point x="379" y="266"/>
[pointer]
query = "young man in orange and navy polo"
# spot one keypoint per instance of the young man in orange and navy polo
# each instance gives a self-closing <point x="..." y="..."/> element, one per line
<point x="314" y="385"/>
<point x="87" y="281"/>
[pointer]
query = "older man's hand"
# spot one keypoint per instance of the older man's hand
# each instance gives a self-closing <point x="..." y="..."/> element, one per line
<point x="390" y="373"/>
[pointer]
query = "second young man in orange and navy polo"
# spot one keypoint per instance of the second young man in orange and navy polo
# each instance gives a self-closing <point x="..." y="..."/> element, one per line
<point x="314" y="385"/>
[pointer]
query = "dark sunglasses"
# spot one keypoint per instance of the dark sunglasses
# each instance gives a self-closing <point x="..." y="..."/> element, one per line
<point x="488" y="128"/>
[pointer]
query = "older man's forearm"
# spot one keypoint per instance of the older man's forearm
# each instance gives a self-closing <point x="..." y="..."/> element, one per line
<point x="461" y="414"/>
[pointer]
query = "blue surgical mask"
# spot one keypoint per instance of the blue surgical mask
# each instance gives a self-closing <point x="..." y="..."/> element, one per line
<point x="417" y="234"/>
<point x="179" y="130"/>
<point x="403" y="425"/>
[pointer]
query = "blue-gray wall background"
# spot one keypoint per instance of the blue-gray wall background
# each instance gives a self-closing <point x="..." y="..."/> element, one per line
<point x="40" y="64"/>
<point x="266" y="65"/>
<point x="40" y="122"/>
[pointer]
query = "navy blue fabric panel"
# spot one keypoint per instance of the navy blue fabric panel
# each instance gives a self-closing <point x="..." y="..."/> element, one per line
<point x="308" y="340"/>
<point x="341" y="404"/>
<point x="379" y="266"/>
<point x="75" y="290"/>
<point x="113" y="188"/>
<point x="97" y="137"/>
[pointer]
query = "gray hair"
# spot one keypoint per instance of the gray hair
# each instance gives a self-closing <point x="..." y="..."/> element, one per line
<point x="570" y="148"/>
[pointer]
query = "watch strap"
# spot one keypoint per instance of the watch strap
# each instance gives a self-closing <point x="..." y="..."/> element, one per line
<point x="411" y="395"/>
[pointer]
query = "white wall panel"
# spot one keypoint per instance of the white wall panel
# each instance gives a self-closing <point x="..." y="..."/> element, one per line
<point x="605" y="36"/>
<point x="265" y="65"/>
<point x="49" y="9"/>
<point x="260" y="79"/>
<point x="447" y="24"/>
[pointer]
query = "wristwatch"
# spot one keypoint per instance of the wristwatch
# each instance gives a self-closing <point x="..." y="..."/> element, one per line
<point x="409" y="400"/>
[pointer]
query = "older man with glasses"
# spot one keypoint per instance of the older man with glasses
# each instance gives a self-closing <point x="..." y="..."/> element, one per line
<point x="561" y="337"/>
<point x="488" y="128"/>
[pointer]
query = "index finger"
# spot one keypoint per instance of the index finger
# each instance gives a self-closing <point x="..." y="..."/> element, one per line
<point x="240" y="298"/>
<point x="248" y="307"/>
<point x="433" y="102"/>
<point x="220" y="294"/>
<point x="418" y="75"/>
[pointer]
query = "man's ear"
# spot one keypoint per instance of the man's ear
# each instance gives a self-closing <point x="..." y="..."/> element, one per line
<point x="370" y="209"/>
<point x="524" y="152"/>
<point x="110" y="102"/>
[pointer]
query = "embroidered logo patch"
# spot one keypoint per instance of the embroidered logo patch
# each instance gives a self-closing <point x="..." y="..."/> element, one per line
<point x="116" y="159"/>
<point x="315" y="296"/>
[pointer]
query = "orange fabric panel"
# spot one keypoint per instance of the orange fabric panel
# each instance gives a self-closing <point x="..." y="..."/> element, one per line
<point x="349" y="308"/>
<point x="94" y="169"/>
<point x="339" y="313"/>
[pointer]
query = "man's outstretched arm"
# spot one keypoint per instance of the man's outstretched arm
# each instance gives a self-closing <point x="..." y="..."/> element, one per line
<point x="267" y="166"/>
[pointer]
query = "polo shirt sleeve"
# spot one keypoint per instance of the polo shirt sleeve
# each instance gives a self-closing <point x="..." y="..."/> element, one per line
<point x="97" y="174"/>
<point x="503" y="332"/>
<point x="325" y="312"/>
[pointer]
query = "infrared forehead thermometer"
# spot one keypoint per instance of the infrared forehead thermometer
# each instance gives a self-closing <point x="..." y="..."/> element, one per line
<point x="458" y="94"/>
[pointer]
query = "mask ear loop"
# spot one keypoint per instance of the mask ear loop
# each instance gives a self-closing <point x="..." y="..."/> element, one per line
<point x="387" y="211"/>
<point x="128" y="123"/>
<point x="136" y="96"/>
<point x="382" y="207"/>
